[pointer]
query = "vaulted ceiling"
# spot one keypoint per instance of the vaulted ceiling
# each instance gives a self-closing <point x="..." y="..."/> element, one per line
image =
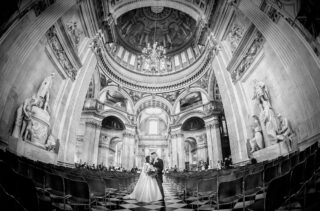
<point x="170" y="28"/>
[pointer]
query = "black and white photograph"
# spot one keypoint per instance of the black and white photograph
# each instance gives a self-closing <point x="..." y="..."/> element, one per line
<point x="160" y="105"/>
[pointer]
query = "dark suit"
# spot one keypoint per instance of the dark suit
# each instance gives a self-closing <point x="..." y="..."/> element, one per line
<point x="159" y="165"/>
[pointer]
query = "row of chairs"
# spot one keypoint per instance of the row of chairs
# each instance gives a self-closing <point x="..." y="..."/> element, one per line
<point x="33" y="185"/>
<point x="227" y="187"/>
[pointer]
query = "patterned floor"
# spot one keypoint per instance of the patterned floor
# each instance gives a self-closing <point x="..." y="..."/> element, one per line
<point x="172" y="203"/>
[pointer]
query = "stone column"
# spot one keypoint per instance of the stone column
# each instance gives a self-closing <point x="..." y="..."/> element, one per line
<point x="209" y="125"/>
<point x="181" y="151"/>
<point x="128" y="145"/>
<point x="178" y="148"/>
<point x="214" y="137"/>
<point x="103" y="155"/>
<point x="174" y="154"/>
<point x="91" y="141"/>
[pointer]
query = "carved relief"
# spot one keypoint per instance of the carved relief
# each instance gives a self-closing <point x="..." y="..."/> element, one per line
<point x="248" y="58"/>
<point x="60" y="53"/>
<point x="235" y="35"/>
<point x="171" y="96"/>
<point x="74" y="32"/>
<point x="238" y="27"/>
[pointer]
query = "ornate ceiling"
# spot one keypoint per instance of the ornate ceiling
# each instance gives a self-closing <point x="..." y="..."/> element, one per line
<point x="171" y="28"/>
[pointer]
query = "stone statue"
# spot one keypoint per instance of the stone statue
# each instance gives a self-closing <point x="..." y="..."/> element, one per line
<point x="257" y="142"/>
<point x="267" y="115"/>
<point x="43" y="92"/>
<point x="23" y="123"/>
<point x="33" y="120"/>
<point x="285" y="132"/>
<point x="52" y="144"/>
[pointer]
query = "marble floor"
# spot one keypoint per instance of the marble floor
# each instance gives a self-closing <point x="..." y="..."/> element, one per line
<point x="171" y="203"/>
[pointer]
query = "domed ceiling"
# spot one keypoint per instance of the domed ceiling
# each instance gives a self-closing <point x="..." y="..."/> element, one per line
<point x="171" y="28"/>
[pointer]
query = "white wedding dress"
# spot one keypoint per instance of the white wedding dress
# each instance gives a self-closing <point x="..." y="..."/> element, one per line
<point x="146" y="189"/>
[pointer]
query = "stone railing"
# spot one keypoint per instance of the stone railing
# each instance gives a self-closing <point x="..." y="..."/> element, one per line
<point x="96" y="105"/>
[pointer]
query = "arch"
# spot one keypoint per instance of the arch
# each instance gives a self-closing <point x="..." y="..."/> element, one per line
<point x="191" y="140"/>
<point x="185" y="93"/>
<point x="139" y="105"/>
<point x="113" y="123"/>
<point x="115" y="113"/>
<point x="121" y="8"/>
<point x="114" y="141"/>
<point x="187" y="116"/>
<point x="123" y="92"/>
<point x="193" y="124"/>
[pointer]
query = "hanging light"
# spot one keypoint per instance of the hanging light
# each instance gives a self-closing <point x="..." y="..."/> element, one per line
<point x="153" y="57"/>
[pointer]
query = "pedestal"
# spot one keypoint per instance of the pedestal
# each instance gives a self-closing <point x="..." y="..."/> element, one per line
<point x="31" y="151"/>
<point x="40" y="127"/>
<point x="271" y="152"/>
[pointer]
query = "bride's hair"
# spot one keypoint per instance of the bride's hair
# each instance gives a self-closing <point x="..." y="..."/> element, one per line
<point x="148" y="159"/>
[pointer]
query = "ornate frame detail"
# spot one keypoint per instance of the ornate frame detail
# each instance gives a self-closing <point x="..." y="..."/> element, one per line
<point x="251" y="45"/>
<point x="61" y="51"/>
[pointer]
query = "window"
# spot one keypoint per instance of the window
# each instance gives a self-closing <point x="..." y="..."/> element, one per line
<point x="153" y="127"/>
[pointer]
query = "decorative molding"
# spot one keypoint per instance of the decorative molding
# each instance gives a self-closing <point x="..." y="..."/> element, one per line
<point x="62" y="56"/>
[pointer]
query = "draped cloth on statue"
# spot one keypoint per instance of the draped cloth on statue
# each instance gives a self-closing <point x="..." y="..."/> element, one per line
<point x="146" y="189"/>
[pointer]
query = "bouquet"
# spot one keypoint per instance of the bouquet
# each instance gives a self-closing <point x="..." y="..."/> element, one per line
<point x="152" y="172"/>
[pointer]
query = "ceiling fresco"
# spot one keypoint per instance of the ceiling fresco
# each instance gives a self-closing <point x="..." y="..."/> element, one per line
<point x="171" y="28"/>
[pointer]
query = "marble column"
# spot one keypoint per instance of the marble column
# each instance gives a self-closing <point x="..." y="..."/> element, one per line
<point x="213" y="136"/>
<point x="103" y="155"/>
<point x="209" y="125"/>
<point x="128" y="145"/>
<point x="181" y="151"/>
<point x="91" y="142"/>
<point x="202" y="153"/>
<point x="174" y="154"/>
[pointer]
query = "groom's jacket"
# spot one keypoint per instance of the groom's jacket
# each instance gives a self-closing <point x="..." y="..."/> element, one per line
<point x="159" y="165"/>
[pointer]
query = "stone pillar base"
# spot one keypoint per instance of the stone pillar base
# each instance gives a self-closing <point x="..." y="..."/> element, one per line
<point x="31" y="151"/>
<point x="271" y="152"/>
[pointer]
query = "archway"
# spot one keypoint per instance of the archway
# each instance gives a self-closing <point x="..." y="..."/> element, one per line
<point x="190" y="150"/>
<point x="113" y="123"/>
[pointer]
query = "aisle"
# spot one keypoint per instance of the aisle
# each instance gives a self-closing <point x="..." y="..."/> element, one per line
<point x="172" y="203"/>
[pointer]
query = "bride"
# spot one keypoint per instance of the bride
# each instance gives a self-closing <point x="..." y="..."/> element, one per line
<point x="146" y="189"/>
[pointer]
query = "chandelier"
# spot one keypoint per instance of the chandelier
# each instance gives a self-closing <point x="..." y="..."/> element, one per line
<point x="153" y="58"/>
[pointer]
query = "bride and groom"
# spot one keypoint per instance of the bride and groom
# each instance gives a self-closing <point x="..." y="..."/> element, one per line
<point x="149" y="186"/>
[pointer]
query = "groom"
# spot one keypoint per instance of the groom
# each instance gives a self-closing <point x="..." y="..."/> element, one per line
<point x="158" y="164"/>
